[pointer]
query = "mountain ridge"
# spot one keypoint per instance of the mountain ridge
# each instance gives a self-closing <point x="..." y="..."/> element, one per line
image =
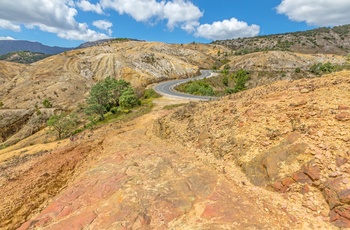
<point x="8" y="46"/>
<point x="324" y="40"/>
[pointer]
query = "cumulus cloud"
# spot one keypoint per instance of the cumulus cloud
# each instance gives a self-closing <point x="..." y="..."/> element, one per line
<point x="87" y="6"/>
<point x="184" y="13"/>
<point x="316" y="12"/>
<point x="227" y="29"/>
<point x="103" y="25"/>
<point x="7" y="25"/>
<point x="177" y="12"/>
<point x="140" y="10"/>
<point x="7" y="38"/>
<point x="55" y="16"/>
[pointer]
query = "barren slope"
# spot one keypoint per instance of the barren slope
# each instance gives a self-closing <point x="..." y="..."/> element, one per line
<point x="290" y="137"/>
<point x="268" y="67"/>
<point x="274" y="157"/>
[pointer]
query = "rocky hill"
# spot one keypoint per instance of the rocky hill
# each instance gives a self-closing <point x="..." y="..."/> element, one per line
<point x="334" y="40"/>
<point x="8" y="46"/>
<point x="272" y="157"/>
<point x="291" y="137"/>
<point x="271" y="66"/>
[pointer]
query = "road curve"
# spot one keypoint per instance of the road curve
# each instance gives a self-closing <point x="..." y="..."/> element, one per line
<point x="168" y="88"/>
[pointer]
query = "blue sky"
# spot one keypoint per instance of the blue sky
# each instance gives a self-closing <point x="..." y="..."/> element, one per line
<point x="69" y="23"/>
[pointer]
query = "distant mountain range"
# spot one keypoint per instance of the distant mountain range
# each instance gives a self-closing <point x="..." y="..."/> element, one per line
<point x="13" y="46"/>
<point x="8" y="46"/>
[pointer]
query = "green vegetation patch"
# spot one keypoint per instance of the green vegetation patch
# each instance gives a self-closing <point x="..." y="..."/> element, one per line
<point x="109" y="100"/>
<point x="200" y="87"/>
<point x="224" y="84"/>
<point x="24" y="57"/>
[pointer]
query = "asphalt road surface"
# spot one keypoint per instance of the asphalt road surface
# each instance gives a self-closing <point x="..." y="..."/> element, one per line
<point x="168" y="88"/>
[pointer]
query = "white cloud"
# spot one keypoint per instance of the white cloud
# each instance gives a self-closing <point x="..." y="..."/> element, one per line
<point x="7" y="38"/>
<point x="316" y="12"/>
<point x="7" y="25"/>
<point x="54" y="16"/>
<point x="181" y="13"/>
<point x="227" y="29"/>
<point x="103" y="25"/>
<point x="140" y="10"/>
<point x="87" y="6"/>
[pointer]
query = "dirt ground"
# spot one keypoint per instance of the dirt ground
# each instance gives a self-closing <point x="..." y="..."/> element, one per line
<point x="123" y="176"/>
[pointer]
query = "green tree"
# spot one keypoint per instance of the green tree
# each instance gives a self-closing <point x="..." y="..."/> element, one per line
<point x="105" y="95"/>
<point x="98" y="100"/>
<point x="128" y="99"/>
<point x="241" y="78"/>
<point x="116" y="89"/>
<point x="63" y="124"/>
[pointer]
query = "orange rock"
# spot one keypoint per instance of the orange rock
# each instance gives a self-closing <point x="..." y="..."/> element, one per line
<point x="343" y="116"/>
<point x="343" y="107"/>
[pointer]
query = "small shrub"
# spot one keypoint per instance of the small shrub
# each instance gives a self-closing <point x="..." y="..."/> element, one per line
<point x="63" y="124"/>
<point x="229" y="90"/>
<point x="150" y="93"/>
<point x="47" y="103"/>
<point x="241" y="78"/>
<point x="320" y="68"/>
<point x="225" y="80"/>
<point x="114" y="110"/>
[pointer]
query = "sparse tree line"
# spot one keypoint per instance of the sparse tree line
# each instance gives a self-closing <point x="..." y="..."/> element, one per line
<point x="108" y="96"/>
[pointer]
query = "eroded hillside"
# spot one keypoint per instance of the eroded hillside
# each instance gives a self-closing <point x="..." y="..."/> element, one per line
<point x="123" y="176"/>
<point x="291" y="137"/>
<point x="272" y="157"/>
<point x="65" y="79"/>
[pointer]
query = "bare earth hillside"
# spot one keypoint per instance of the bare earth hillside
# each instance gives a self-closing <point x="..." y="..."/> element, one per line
<point x="66" y="78"/>
<point x="291" y="137"/>
<point x="274" y="157"/>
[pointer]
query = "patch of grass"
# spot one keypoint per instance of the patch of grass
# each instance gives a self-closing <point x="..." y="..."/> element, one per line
<point x="3" y="146"/>
<point x="150" y="93"/>
<point x="170" y="107"/>
<point x="127" y="115"/>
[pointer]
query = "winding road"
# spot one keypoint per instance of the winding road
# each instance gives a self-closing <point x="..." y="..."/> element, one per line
<point x="168" y="88"/>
